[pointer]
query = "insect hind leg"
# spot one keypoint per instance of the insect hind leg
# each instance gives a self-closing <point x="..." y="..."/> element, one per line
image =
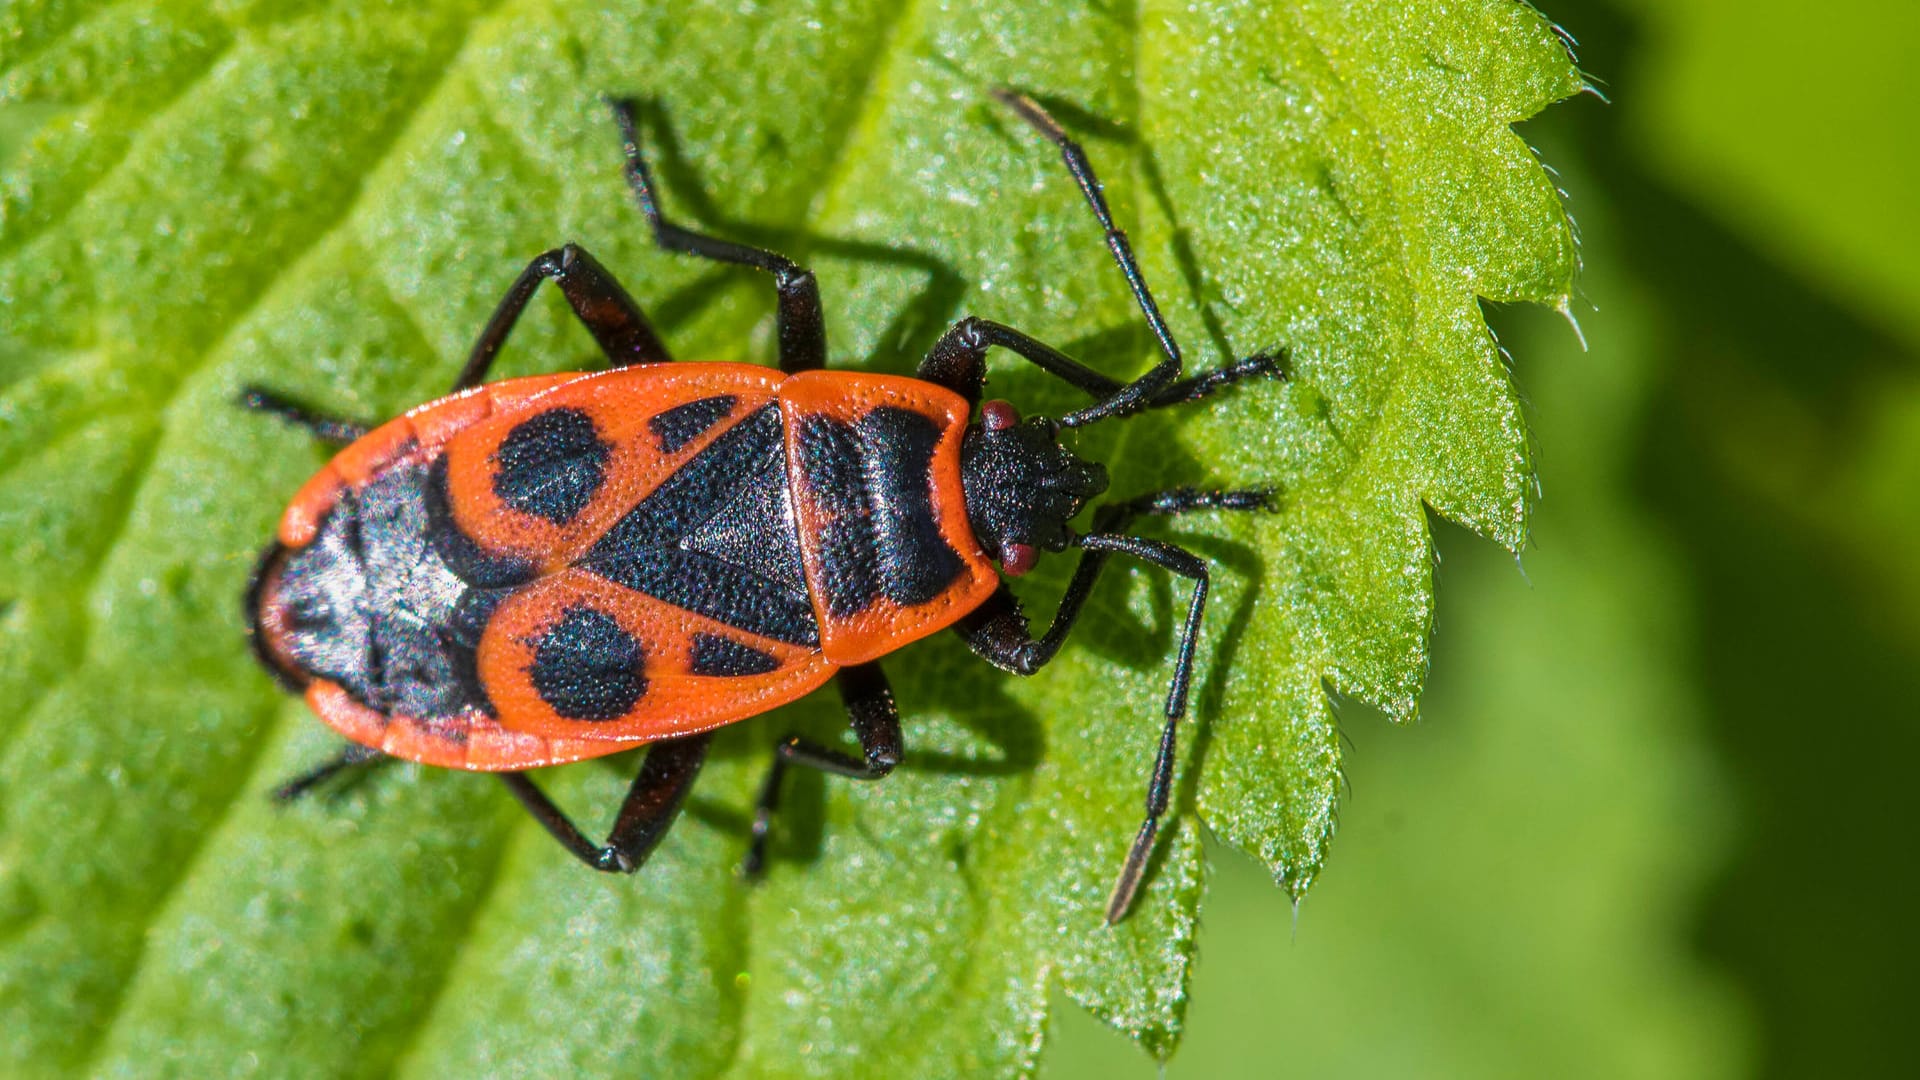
<point x="875" y="720"/>
<point x="652" y="803"/>
<point x="598" y="300"/>
<point x="352" y="756"/>
<point x="331" y="430"/>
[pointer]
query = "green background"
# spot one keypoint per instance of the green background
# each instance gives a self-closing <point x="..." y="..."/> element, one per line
<point x="1658" y="815"/>
<point x="1655" y="818"/>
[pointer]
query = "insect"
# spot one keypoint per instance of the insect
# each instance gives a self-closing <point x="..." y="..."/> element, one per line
<point x="545" y="569"/>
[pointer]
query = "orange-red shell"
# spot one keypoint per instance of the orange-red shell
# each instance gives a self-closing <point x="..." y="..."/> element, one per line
<point x="463" y="434"/>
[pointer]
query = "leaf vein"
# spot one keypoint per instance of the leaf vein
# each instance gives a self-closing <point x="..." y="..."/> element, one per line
<point x="428" y="1001"/>
<point x="30" y="230"/>
<point x="101" y="1034"/>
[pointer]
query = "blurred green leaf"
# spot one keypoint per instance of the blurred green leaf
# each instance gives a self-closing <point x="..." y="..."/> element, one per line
<point x="328" y="198"/>
<point x="1829" y="438"/>
<point x="1779" y="454"/>
<point x="1796" y="131"/>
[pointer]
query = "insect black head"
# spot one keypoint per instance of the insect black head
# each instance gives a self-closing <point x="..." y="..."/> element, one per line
<point x="1022" y="486"/>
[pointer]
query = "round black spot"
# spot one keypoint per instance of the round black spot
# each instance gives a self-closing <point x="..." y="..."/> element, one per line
<point x="587" y="668"/>
<point x="551" y="465"/>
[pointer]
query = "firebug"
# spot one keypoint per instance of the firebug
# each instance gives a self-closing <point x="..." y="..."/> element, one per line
<point x="545" y="569"/>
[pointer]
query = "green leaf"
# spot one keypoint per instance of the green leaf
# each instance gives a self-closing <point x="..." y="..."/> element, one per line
<point x="329" y="198"/>
<point x="1561" y="818"/>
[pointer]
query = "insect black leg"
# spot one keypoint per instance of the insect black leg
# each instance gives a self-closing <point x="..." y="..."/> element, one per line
<point x="353" y="754"/>
<point x="999" y="633"/>
<point x="328" y="429"/>
<point x="597" y="299"/>
<point x="1140" y="393"/>
<point x="1160" y="784"/>
<point x="1260" y="365"/>
<point x="802" y="324"/>
<point x="875" y="720"/>
<point x="648" y="811"/>
<point x="958" y="361"/>
<point x="1181" y="500"/>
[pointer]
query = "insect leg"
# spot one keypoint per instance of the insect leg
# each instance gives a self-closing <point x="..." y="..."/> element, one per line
<point x="648" y="811"/>
<point x="802" y="326"/>
<point x="1272" y="365"/>
<point x="999" y="633"/>
<point x="597" y="299"/>
<point x="1160" y="783"/>
<point x="875" y="720"/>
<point x="328" y="429"/>
<point x="353" y="754"/>
<point x="958" y="361"/>
<point x="1138" y="394"/>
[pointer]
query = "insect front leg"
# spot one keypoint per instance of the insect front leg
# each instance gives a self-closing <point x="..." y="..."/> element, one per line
<point x="998" y="633"/>
<point x="875" y="720"/>
<point x="958" y="361"/>
<point x="646" y="813"/>
<point x="1138" y="394"/>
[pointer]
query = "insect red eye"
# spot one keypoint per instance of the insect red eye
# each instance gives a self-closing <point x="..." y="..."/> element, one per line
<point x="998" y="415"/>
<point x="1017" y="559"/>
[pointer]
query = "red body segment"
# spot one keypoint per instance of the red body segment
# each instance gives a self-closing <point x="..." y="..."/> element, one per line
<point x="651" y="431"/>
<point x="885" y="626"/>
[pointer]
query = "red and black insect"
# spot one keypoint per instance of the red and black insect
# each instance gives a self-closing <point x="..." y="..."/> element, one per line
<point x="546" y="569"/>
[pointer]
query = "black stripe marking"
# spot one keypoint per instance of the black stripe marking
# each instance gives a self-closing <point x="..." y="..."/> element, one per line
<point x="716" y="655"/>
<point x="849" y="565"/>
<point x="874" y="479"/>
<point x="551" y="465"/>
<point x="587" y="668"/>
<point x="737" y="571"/>
<point x="682" y="424"/>
<point x="703" y="584"/>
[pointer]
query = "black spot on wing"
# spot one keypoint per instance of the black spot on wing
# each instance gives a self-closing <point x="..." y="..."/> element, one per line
<point x="716" y="655"/>
<point x="682" y="424"/>
<point x="718" y="537"/>
<point x="585" y="667"/>
<point x="551" y="465"/>
<point x="874" y="479"/>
